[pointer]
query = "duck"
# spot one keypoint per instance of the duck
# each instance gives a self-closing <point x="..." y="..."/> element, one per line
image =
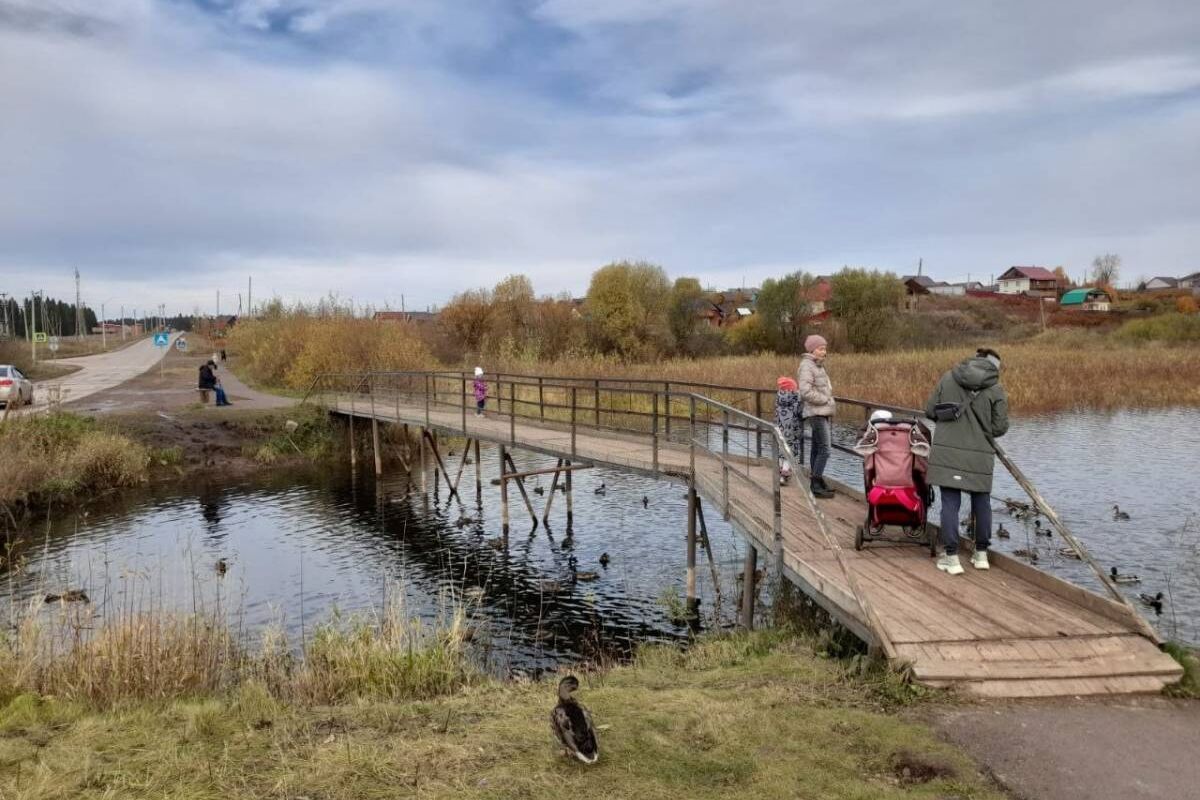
<point x="1123" y="579"/>
<point x="69" y="596"/>
<point x="1002" y="532"/>
<point x="1023" y="553"/>
<point x="572" y="724"/>
<point x="645" y="501"/>
<point x="464" y="521"/>
<point x="1153" y="601"/>
<point x="604" y="560"/>
<point x="222" y="566"/>
<point x="539" y="490"/>
<point x="1118" y="514"/>
<point x="587" y="576"/>
<point x="1038" y="530"/>
<point x="1070" y="552"/>
<point x="601" y="489"/>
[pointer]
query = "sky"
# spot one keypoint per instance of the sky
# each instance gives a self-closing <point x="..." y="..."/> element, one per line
<point x="380" y="151"/>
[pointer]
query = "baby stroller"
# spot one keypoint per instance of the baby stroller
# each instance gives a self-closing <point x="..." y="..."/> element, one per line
<point x="895" y="457"/>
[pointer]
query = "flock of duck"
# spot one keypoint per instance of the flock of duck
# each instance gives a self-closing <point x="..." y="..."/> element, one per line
<point x="1025" y="511"/>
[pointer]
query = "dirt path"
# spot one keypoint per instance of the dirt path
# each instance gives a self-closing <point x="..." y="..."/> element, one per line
<point x="173" y="388"/>
<point x="96" y="373"/>
<point x="1138" y="747"/>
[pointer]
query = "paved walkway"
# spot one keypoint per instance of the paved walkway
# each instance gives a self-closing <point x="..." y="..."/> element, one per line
<point x="1138" y="748"/>
<point x="99" y="372"/>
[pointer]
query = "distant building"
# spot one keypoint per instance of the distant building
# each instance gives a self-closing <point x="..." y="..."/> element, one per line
<point x="1190" y="281"/>
<point x="818" y="296"/>
<point x="1031" y="281"/>
<point x="917" y="284"/>
<point x="1158" y="284"/>
<point x="1086" y="299"/>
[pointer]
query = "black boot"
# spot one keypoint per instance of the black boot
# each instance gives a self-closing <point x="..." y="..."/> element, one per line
<point x="819" y="489"/>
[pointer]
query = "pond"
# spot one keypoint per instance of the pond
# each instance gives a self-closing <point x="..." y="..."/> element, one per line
<point x="298" y="548"/>
<point x="301" y="546"/>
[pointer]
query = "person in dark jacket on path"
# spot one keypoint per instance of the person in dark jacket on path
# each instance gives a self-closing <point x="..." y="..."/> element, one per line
<point x="971" y="409"/>
<point x="208" y="381"/>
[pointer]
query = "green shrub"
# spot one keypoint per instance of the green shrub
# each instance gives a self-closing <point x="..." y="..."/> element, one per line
<point x="1174" y="328"/>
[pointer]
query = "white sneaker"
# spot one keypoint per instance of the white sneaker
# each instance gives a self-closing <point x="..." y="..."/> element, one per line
<point x="979" y="559"/>
<point x="950" y="565"/>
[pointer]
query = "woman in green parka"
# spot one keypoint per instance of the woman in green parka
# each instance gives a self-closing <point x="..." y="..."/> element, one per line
<point x="970" y="408"/>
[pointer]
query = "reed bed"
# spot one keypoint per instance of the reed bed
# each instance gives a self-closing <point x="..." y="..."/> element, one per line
<point x="143" y="651"/>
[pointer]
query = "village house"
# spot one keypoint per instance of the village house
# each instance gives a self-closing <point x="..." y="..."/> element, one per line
<point x="818" y="296"/>
<point x="1190" y="281"/>
<point x="1086" y="299"/>
<point x="1030" y="281"/>
<point x="1158" y="284"/>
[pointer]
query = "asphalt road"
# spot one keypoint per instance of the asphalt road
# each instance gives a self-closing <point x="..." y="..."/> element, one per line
<point x="99" y="372"/>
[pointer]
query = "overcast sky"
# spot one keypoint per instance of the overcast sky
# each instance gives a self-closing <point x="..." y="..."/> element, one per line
<point x="170" y="148"/>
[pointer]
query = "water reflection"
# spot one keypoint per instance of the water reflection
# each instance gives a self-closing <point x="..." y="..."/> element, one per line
<point x="293" y="550"/>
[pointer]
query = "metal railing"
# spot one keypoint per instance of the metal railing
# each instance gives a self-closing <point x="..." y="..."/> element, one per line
<point x="674" y="417"/>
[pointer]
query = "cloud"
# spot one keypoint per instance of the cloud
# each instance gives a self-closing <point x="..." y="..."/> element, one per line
<point x="377" y="149"/>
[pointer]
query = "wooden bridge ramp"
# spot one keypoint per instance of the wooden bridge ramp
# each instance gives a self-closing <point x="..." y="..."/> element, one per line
<point x="1011" y="631"/>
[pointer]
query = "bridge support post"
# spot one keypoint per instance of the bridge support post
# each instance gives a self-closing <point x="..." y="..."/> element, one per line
<point x="693" y="603"/>
<point x="503" y="495"/>
<point x="478" y="473"/>
<point x="749" y="568"/>
<point x="570" y="493"/>
<point x="421" y="465"/>
<point x="375" y="447"/>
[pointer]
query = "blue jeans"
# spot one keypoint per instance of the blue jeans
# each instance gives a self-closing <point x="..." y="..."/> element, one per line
<point x="822" y="443"/>
<point x="981" y="507"/>
<point x="222" y="400"/>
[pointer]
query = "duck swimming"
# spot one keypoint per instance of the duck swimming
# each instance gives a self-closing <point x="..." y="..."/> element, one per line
<point x="1038" y="530"/>
<point x="1002" y="532"/>
<point x="645" y="501"/>
<point x="1123" y="579"/>
<point x="572" y="724"/>
<point x="604" y="560"/>
<point x="1118" y="514"/>
<point x="601" y="489"/>
<point x="1153" y="601"/>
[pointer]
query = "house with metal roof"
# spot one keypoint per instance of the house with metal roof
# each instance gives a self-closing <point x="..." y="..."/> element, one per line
<point x="1158" y="283"/>
<point x="1089" y="298"/>
<point x="1032" y="281"/>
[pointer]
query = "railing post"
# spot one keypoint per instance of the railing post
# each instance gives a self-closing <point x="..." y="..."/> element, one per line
<point x="463" y="401"/>
<point x="574" y="407"/>
<point x="725" y="460"/>
<point x="667" y="420"/>
<point x="777" y="520"/>
<point x="654" y="432"/>
<point x="434" y="389"/>
<point x="758" y="412"/>
<point x="512" y="412"/>
<point x="426" y="399"/>
<point x="693" y="604"/>
<point x="597" y="400"/>
<point x="692" y="436"/>
<point x="541" y="398"/>
<point x="749" y="568"/>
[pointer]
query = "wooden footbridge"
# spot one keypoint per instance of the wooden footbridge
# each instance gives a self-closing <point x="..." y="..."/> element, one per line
<point x="1011" y="631"/>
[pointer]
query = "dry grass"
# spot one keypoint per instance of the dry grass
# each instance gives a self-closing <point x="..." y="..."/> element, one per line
<point x="61" y="454"/>
<point x="756" y="716"/>
<point x="140" y="652"/>
<point x="1055" y="372"/>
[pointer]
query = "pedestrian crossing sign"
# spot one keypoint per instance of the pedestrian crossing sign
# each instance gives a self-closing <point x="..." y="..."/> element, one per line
<point x="162" y="339"/>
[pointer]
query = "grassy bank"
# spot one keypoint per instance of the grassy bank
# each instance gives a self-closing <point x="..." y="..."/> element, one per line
<point x="58" y="456"/>
<point x="749" y="716"/>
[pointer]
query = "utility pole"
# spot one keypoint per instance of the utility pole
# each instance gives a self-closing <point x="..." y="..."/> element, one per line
<point x="122" y="323"/>
<point x="218" y="302"/>
<point x="103" y="329"/>
<point x="78" y="309"/>
<point x="33" y="326"/>
<point x="250" y="296"/>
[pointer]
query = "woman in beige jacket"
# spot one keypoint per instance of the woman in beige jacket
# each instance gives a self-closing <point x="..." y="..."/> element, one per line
<point x="816" y="391"/>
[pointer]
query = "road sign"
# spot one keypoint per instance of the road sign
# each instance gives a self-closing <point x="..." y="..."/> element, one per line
<point x="162" y="339"/>
<point x="181" y="344"/>
<point x="39" y="338"/>
<point x="53" y="344"/>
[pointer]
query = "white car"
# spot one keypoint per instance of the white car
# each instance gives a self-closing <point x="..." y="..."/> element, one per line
<point x="15" y="388"/>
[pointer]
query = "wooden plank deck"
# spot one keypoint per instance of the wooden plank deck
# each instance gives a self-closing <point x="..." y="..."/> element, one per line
<point x="1011" y="631"/>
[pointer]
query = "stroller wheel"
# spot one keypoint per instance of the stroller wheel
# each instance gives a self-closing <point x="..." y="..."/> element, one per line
<point x="858" y="537"/>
